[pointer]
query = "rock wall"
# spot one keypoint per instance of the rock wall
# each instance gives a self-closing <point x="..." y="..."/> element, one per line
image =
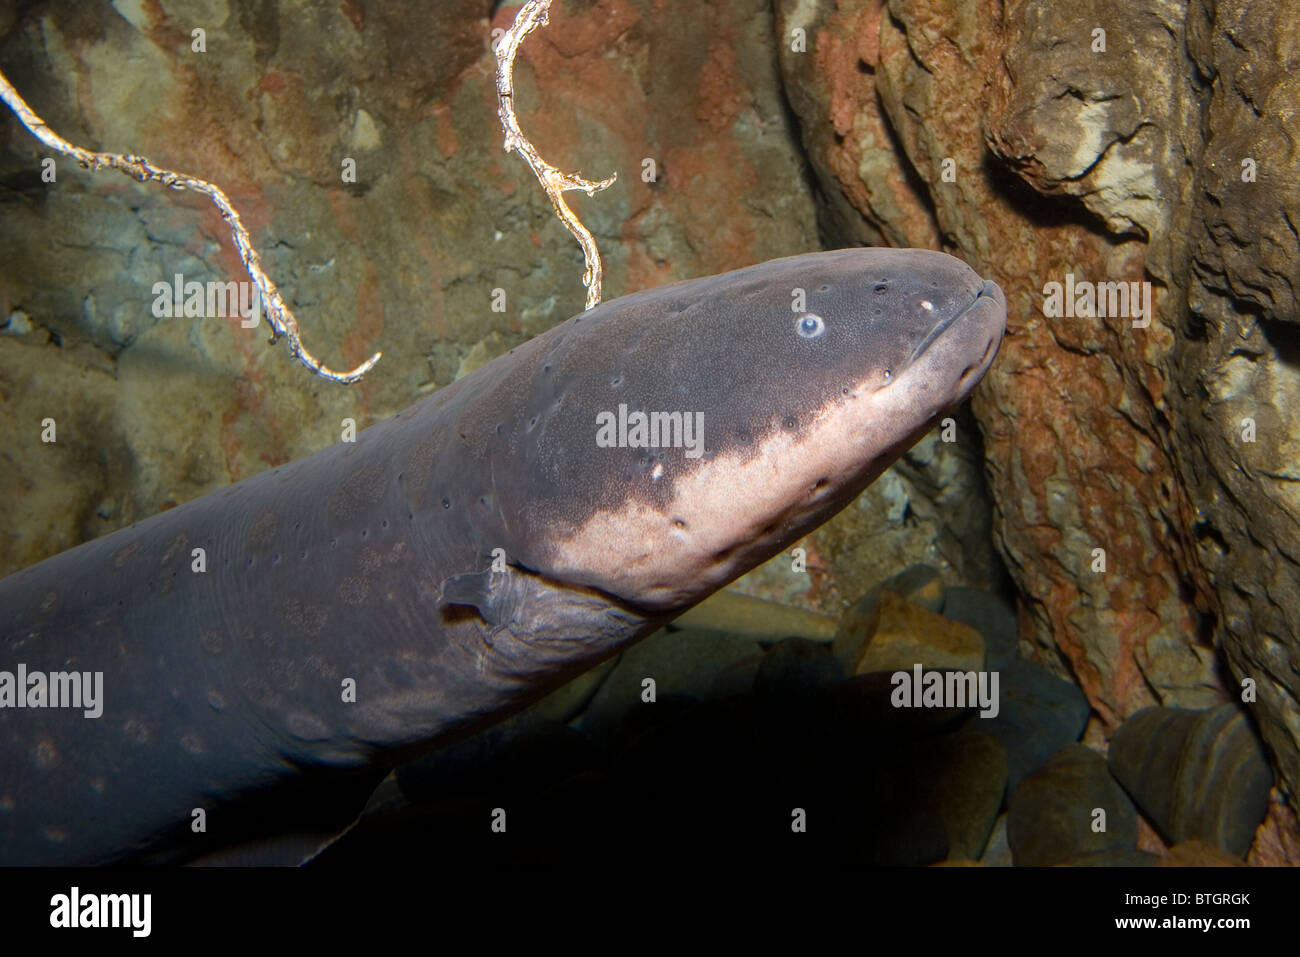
<point x="1106" y="141"/>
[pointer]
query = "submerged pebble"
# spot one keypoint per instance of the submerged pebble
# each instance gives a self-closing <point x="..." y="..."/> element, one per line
<point x="1069" y="808"/>
<point x="990" y="616"/>
<point x="1038" y="715"/>
<point x="1198" y="775"/>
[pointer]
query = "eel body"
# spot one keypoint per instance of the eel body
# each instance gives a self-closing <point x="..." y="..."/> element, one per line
<point x="369" y="602"/>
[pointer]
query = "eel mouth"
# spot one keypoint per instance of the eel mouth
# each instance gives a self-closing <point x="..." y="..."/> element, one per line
<point x="987" y="292"/>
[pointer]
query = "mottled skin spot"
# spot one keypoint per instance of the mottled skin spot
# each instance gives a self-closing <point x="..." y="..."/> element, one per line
<point x="307" y="727"/>
<point x="176" y="550"/>
<point x="354" y="590"/>
<point x="310" y="619"/>
<point x="261" y="535"/>
<point x="137" y="731"/>
<point x="416" y="469"/>
<point x="124" y="555"/>
<point x="316" y="665"/>
<point x="358" y="490"/>
<point x="45" y="755"/>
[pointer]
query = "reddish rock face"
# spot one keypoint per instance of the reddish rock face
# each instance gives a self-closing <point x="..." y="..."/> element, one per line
<point x="1069" y="471"/>
<point x="1081" y="142"/>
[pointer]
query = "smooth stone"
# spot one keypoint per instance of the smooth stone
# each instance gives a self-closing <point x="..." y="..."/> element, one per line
<point x="739" y="614"/>
<point x="569" y="700"/>
<point x="887" y="824"/>
<point x="997" y="852"/>
<point x="649" y="717"/>
<point x="991" y="617"/>
<point x="1144" y="754"/>
<point x="906" y="634"/>
<point x="1050" y="817"/>
<point x="1038" y="714"/>
<point x="890" y="830"/>
<point x="920" y="584"/>
<point x="684" y="662"/>
<point x="796" y="668"/>
<point x="1198" y="775"/>
<point x="961" y="778"/>
<point x="736" y="679"/>
<point x="861" y="710"/>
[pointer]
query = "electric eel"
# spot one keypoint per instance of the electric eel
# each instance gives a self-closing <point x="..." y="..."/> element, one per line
<point x="355" y="608"/>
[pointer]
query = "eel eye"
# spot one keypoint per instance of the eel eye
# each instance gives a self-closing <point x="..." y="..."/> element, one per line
<point x="810" y="326"/>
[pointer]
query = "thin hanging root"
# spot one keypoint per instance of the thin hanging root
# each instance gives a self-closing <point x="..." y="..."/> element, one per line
<point x="278" y="314"/>
<point x="532" y="15"/>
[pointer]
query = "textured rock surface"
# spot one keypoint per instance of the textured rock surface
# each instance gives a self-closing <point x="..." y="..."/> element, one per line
<point x="1277" y="842"/>
<point x="1243" y="360"/>
<point x="1070" y="400"/>
<point x="1130" y="162"/>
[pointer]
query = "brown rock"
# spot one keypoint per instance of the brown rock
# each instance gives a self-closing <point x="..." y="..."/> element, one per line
<point x="1239" y="358"/>
<point x="1198" y="775"/>
<point x="906" y="634"/>
<point x="1197" y="854"/>
<point x="1052" y="815"/>
<point x="1199" y="523"/>
<point x="1277" y="842"/>
<point x="962" y="777"/>
<point x="869" y="198"/>
<point x="919" y="584"/>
